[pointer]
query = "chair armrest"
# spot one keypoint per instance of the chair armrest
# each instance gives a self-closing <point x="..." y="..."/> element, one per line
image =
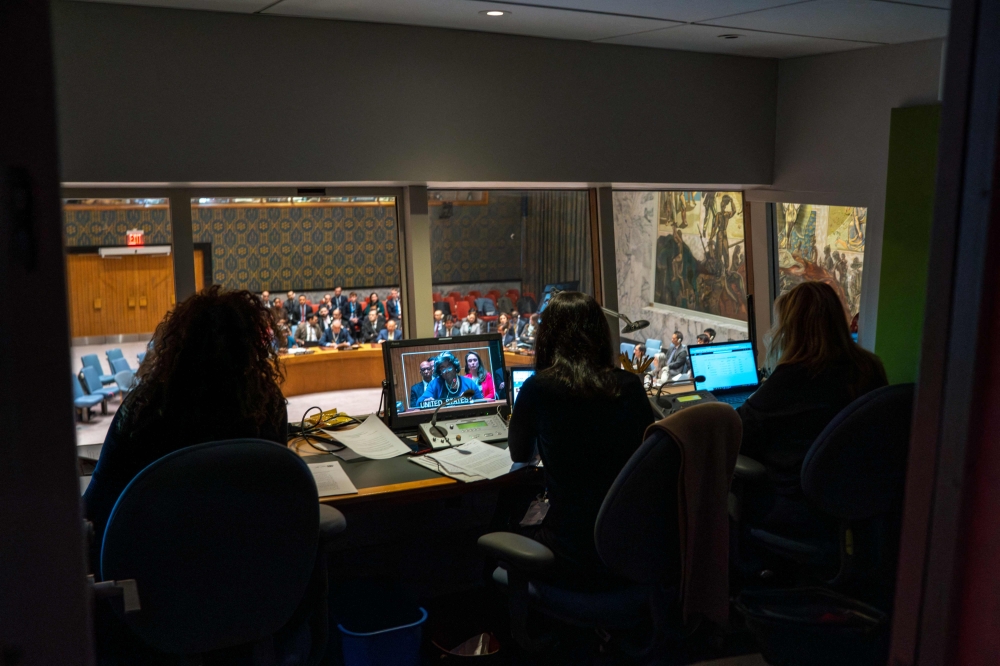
<point x="749" y="470"/>
<point x="331" y="523"/>
<point x="517" y="551"/>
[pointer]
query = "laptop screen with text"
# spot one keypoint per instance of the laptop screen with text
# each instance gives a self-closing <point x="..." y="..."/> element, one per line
<point x="727" y="365"/>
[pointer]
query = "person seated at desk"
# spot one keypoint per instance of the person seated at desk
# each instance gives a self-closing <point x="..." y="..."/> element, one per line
<point x="278" y="310"/>
<point x="639" y="355"/>
<point x="301" y="312"/>
<point x="371" y="326"/>
<point x="450" y="330"/>
<point x="390" y="332"/>
<point x="506" y="329"/>
<point x="336" y="336"/>
<point x="438" y="324"/>
<point x="353" y="313"/>
<point x="526" y="340"/>
<point x="678" y="359"/>
<point x="283" y="334"/>
<point x="815" y="371"/>
<point x="476" y="371"/>
<point x="393" y="308"/>
<point x="426" y="375"/>
<point x="586" y="419"/>
<point x="325" y="318"/>
<point x="309" y="330"/>
<point x="211" y="375"/>
<point x="472" y="325"/>
<point x="448" y="384"/>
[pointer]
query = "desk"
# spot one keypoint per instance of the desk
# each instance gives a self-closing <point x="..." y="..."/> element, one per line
<point x="339" y="370"/>
<point x="398" y="479"/>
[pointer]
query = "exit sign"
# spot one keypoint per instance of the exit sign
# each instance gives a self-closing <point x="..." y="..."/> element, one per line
<point x="135" y="237"/>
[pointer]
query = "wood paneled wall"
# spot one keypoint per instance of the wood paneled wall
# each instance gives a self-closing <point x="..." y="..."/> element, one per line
<point x="122" y="295"/>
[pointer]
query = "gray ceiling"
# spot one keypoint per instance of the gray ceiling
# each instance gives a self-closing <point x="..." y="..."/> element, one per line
<point x="765" y="28"/>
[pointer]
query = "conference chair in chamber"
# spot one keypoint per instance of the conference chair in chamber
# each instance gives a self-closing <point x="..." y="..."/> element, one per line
<point x="91" y="382"/>
<point x="120" y="364"/>
<point x="217" y="553"/>
<point x="84" y="403"/>
<point x="653" y="346"/>
<point x="853" y="479"/>
<point x="650" y="534"/>
<point x="91" y="361"/>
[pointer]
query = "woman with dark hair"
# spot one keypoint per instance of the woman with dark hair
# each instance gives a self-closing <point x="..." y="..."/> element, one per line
<point x="586" y="419"/>
<point x="375" y="304"/>
<point x="211" y="374"/>
<point x="475" y="370"/>
<point x="815" y="370"/>
<point x="506" y="329"/>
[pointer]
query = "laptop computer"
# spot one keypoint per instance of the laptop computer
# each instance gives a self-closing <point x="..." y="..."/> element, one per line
<point x="727" y="369"/>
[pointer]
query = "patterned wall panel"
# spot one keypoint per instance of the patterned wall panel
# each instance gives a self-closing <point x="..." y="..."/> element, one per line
<point x="301" y="247"/>
<point x="103" y="225"/>
<point x="477" y="243"/>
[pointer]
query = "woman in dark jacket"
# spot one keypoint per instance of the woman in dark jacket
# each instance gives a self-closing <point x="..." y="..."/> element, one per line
<point x="816" y="370"/>
<point x="585" y="419"/>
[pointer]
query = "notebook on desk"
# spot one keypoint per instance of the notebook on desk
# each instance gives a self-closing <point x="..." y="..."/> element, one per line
<point x="727" y="369"/>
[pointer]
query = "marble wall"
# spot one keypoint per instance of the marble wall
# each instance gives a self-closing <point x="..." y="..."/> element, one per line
<point x="635" y="239"/>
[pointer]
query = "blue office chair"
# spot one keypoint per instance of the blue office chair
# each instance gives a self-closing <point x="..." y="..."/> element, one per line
<point x="125" y="380"/>
<point x="120" y="364"/>
<point x="852" y="478"/>
<point x="220" y="546"/>
<point x="112" y="354"/>
<point x="91" y="360"/>
<point x="93" y="386"/>
<point x="637" y="536"/>
<point x="627" y="348"/>
<point x="653" y="346"/>
<point x="83" y="402"/>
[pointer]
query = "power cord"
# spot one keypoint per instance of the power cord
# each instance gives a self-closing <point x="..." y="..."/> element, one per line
<point x="333" y="421"/>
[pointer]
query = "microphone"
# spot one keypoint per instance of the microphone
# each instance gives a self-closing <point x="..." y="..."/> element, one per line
<point x="634" y="326"/>
<point x="441" y="432"/>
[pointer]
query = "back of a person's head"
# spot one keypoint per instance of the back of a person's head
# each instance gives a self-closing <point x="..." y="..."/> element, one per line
<point x="573" y="345"/>
<point x="812" y="331"/>
<point x="213" y="372"/>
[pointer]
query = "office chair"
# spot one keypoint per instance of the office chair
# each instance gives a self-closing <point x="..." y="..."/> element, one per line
<point x="119" y="364"/>
<point x="125" y="380"/>
<point x="653" y="346"/>
<point x="112" y="354"/>
<point x="852" y="476"/>
<point x="91" y="360"/>
<point x="82" y="402"/>
<point x="220" y="546"/>
<point x="638" y="538"/>
<point x="92" y="383"/>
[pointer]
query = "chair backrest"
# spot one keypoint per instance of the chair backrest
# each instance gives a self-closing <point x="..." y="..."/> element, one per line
<point x="91" y="380"/>
<point x="221" y="539"/>
<point x="443" y="306"/>
<point x="653" y="346"/>
<point x="91" y="360"/>
<point x="437" y="296"/>
<point x="475" y="293"/>
<point x="627" y="348"/>
<point x="124" y="379"/>
<point x="119" y="364"/>
<point x="856" y="468"/>
<point x="455" y="294"/>
<point x="637" y="532"/>
<point x="114" y="353"/>
<point x="461" y="309"/>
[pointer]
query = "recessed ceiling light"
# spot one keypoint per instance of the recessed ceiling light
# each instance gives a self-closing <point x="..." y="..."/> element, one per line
<point x="494" y="12"/>
<point x="729" y="36"/>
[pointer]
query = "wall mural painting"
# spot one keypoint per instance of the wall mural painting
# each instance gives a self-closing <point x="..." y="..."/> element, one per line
<point x="700" y="253"/>
<point x="822" y="243"/>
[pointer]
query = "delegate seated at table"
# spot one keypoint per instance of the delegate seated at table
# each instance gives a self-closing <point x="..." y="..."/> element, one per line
<point x="448" y="383"/>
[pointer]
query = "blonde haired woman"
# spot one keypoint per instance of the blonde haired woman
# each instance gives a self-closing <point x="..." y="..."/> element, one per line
<point x="816" y="370"/>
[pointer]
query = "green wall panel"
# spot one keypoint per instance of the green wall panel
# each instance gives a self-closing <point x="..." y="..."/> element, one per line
<point x="909" y="212"/>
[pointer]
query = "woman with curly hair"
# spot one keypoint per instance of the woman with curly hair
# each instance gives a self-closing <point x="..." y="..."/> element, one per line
<point x="476" y="371"/>
<point x="211" y="374"/>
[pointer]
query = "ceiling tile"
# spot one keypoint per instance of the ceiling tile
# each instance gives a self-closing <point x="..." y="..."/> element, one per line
<point x="861" y="20"/>
<point x="464" y="15"/>
<point x="756" y="44"/>
<point x="674" y="10"/>
<point x="239" y="6"/>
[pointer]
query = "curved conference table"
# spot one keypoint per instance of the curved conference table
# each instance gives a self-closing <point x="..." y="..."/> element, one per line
<point x="339" y="370"/>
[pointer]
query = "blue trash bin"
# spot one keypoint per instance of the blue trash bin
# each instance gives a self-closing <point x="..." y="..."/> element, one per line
<point x="396" y="646"/>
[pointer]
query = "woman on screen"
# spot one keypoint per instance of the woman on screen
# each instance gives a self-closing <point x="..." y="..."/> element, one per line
<point x="587" y="418"/>
<point x="476" y="371"/>
<point x="448" y="384"/>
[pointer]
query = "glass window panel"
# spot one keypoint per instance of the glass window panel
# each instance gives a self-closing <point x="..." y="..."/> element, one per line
<point x="681" y="263"/>
<point x="824" y="243"/>
<point x="509" y="244"/>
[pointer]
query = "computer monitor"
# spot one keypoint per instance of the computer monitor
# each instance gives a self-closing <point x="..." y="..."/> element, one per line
<point x="518" y="376"/>
<point x="549" y="289"/>
<point x="724" y="365"/>
<point x="421" y="375"/>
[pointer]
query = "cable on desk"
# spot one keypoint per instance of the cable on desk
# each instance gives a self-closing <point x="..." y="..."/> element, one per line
<point x="309" y="431"/>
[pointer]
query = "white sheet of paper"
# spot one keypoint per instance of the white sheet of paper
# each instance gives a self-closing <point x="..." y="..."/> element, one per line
<point x="447" y="470"/>
<point x="331" y="479"/>
<point x="371" y="439"/>
<point x="476" y="458"/>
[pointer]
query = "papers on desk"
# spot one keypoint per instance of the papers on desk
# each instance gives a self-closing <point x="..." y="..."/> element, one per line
<point x="331" y="479"/>
<point x="472" y="461"/>
<point x="371" y="439"/>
